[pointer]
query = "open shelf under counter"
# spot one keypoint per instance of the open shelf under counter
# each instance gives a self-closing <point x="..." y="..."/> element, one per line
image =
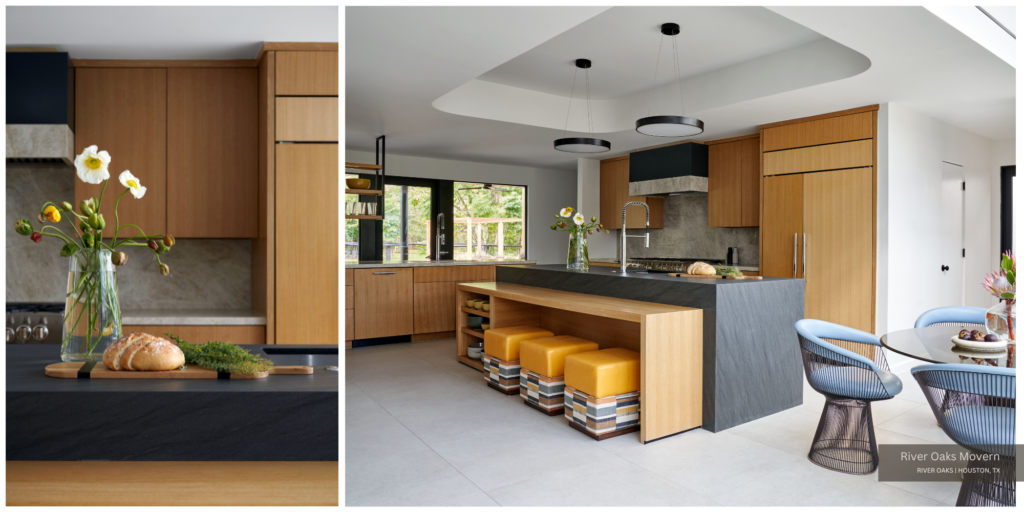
<point x="477" y="312"/>
<point x="479" y="333"/>
<point x="469" y="361"/>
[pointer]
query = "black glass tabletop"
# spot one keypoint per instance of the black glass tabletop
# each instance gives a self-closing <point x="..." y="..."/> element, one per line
<point x="934" y="345"/>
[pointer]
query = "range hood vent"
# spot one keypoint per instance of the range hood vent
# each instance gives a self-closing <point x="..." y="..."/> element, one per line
<point x="40" y="108"/>
<point x="668" y="171"/>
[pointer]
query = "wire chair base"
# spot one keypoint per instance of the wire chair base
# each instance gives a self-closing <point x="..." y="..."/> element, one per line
<point x="845" y="439"/>
<point x="990" y="491"/>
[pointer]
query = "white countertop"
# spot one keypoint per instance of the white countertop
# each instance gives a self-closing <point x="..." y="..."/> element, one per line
<point x="192" y="317"/>
<point x="442" y="263"/>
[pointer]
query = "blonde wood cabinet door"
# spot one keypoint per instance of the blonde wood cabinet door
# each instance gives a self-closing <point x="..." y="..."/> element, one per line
<point x="838" y="219"/>
<point x="306" y="244"/>
<point x="212" y="122"/>
<point x="237" y="334"/>
<point x="434" y="309"/>
<point x="783" y="225"/>
<point x="124" y="112"/>
<point x="750" y="182"/>
<point x="307" y="73"/>
<point x="307" y="119"/>
<point x="384" y="302"/>
<point x="724" y="206"/>
<point x="615" y="194"/>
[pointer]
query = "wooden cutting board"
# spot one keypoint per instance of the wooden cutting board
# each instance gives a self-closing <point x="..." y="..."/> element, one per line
<point x="714" y="276"/>
<point x="191" y="371"/>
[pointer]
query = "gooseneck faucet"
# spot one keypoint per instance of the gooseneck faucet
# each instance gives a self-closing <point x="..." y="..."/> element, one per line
<point x="647" y="231"/>
<point x="440" y="238"/>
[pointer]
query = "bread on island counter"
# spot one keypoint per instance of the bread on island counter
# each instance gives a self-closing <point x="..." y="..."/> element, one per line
<point x="138" y="351"/>
<point x="701" y="269"/>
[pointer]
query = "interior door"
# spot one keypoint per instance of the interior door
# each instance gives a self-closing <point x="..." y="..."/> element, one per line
<point x="951" y="237"/>
<point x="838" y="245"/>
<point x="783" y="224"/>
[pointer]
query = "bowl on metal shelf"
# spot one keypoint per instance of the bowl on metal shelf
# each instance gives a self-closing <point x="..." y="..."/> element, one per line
<point x="474" y="321"/>
<point x="475" y="350"/>
<point x="357" y="183"/>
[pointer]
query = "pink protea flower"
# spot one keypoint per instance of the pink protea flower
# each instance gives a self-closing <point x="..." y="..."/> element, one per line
<point x="1003" y="282"/>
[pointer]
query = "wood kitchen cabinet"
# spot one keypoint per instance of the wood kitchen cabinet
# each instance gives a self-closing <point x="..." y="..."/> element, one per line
<point x="196" y="334"/>
<point x="124" y="112"/>
<point x="434" y="307"/>
<point x="307" y="73"/>
<point x="734" y="183"/>
<point x="212" y="152"/>
<point x="307" y="119"/>
<point x="384" y="302"/>
<point x="306" y="246"/>
<point x="615" y="194"/>
<point x="819" y="226"/>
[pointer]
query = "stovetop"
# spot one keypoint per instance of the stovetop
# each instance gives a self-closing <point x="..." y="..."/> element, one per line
<point x="34" y="322"/>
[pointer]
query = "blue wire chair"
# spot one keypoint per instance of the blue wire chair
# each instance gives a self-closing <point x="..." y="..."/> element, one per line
<point x="849" y="368"/>
<point x="962" y="316"/>
<point x="976" y="406"/>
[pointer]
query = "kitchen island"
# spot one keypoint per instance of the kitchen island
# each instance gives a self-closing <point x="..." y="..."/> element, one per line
<point x="751" y="359"/>
<point x="283" y="426"/>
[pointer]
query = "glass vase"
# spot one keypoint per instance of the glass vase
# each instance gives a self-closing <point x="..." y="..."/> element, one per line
<point x="579" y="258"/>
<point x="92" y="314"/>
<point x="1001" y="320"/>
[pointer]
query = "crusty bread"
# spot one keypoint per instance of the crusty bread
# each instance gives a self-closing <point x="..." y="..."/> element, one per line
<point x="157" y="355"/>
<point x="143" y="352"/>
<point x="700" y="268"/>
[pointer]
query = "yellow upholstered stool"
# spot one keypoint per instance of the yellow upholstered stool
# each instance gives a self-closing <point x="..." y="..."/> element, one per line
<point x="542" y="376"/>
<point x="501" y="355"/>
<point x="602" y="392"/>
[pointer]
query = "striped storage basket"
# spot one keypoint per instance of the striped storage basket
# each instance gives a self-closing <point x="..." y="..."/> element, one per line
<point x="602" y="418"/>
<point x="542" y="393"/>
<point x="501" y="375"/>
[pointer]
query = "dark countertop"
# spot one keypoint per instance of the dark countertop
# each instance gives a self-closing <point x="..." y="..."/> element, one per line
<point x="281" y="417"/>
<point x="609" y="272"/>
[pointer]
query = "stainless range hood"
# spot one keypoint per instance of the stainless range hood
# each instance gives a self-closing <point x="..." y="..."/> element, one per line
<point x="669" y="171"/>
<point x="40" y="107"/>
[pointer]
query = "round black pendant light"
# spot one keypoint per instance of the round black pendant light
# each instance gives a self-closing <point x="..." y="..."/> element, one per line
<point x="581" y="144"/>
<point x="669" y="126"/>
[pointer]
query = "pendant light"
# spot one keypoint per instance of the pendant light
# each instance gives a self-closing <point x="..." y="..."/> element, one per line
<point x="669" y="126"/>
<point x="581" y="144"/>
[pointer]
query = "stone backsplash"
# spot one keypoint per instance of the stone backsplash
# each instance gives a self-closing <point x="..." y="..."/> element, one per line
<point x="205" y="273"/>
<point x="686" y="235"/>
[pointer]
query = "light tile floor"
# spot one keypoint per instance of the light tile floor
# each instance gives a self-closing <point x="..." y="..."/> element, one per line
<point x="423" y="429"/>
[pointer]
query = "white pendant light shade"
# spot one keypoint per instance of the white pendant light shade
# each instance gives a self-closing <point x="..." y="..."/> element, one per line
<point x="582" y="144"/>
<point x="670" y="126"/>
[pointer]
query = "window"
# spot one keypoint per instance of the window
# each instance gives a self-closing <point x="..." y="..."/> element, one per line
<point x="490" y="221"/>
<point x="407" y="222"/>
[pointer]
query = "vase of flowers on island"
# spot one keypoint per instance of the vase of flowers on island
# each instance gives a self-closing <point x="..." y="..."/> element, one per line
<point x="1001" y="319"/>
<point x="92" y="313"/>
<point x="578" y="228"/>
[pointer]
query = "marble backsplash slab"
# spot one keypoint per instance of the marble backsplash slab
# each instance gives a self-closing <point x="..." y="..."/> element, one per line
<point x="205" y="273"/>
<point x="686" y="235"/>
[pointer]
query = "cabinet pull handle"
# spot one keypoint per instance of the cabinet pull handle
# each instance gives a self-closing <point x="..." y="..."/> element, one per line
<point x="382" y="273"/>
<point x="803" y="270"/>
<point x="795" y="238"/>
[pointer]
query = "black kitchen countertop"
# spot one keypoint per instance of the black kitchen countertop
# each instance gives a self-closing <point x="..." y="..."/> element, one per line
<point x="610" y="273"/>
<point x="281" y="417"/>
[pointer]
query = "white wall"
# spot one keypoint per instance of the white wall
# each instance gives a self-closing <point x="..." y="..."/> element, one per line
<point x="910" y="175"/>
<point x="547" y="192"/>
<point x="588" y="201"/>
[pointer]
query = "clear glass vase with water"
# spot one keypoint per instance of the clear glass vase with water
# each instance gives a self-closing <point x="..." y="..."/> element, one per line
<point x="92" y="313"/>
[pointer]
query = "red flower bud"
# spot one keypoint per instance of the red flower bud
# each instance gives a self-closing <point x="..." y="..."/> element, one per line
<point x="36" y="237"/>
<point x="153" y="245"/>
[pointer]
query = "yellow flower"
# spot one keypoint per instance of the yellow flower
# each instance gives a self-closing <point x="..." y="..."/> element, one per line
<point x="566" y="212"/>
<point x="52" y="213"/>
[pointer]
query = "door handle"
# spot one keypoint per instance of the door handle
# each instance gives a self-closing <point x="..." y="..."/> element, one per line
<point x="945" y="268"/>
<point x="382" y="273"/>
<point x="803" y="269"/>
<point x="795" y="238"/>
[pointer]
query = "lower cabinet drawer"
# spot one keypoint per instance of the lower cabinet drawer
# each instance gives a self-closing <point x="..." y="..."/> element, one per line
<point x="434" y="307"/>
<point x="350" y="327"/>
<point x="237" y="334"/>
<point x="384" y="302"/>
<point x="458" y="273"/>
<point x="350" y="297"/>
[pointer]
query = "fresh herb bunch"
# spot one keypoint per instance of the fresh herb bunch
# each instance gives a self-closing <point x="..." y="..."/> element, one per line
<point x="223" y="357"/>
<point x="728" y="271"/>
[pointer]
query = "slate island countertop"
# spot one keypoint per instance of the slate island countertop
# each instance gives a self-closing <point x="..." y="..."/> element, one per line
<point x="281" y="417"/>
<point x="615" y="261"/>
<point x="442" y="263"/>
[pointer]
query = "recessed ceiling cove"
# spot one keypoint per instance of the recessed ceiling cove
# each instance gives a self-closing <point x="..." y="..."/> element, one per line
<point x="727" y="55"/>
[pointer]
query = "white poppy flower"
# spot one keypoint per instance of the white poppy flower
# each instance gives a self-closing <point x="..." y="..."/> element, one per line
<point x="92" y="165"/>
<point x="566" y="212"/>
<point x="578" y="219"/>
<point x="132" y="183"/>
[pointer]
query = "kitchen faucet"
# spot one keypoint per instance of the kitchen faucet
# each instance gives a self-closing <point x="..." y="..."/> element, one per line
<point x="647" y="232"/>
<point x="440" y="237"/>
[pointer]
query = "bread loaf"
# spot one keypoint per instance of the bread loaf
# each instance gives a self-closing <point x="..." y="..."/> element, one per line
<point x="700" y="268"/>
<point x="143" y="352"/>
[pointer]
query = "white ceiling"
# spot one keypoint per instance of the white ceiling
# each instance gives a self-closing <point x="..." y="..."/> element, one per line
<point x="623" y="43"/>
<point x="393" y="81"/>
<point x="167" y="32"/>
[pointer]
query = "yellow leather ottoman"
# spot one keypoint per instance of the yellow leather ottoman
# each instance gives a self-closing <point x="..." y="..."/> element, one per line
<point x="602" y="392"/>
<point x="501" y="355"/>
<point x="542" y="377"/>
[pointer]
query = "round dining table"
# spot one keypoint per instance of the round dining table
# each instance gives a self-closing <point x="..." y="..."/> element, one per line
<point x="933" y="344"/>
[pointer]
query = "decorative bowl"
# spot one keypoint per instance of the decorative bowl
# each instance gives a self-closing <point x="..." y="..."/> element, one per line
<point x="474" y="321"/>
<point x="485" y="326"/>
<point x="978" y="354"/>
<point x="486" y="306"/>
<point x="357" y="183"/>
<point x="477" y="303"/>
<point x="469" y="303"/>
<point x="979" y="346"/>
<point x="475" y="350"/>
